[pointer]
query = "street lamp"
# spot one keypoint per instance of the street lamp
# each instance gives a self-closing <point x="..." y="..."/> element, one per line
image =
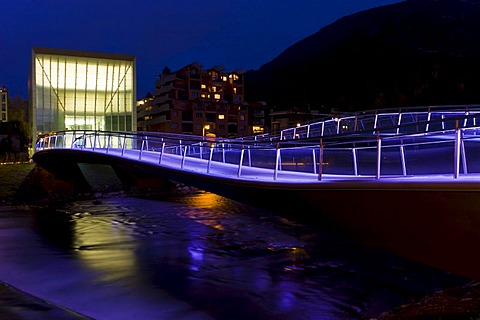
<point x="205" y="127"/>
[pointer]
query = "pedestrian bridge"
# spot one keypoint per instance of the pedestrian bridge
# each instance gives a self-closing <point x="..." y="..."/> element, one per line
<point x="404" y="180"/>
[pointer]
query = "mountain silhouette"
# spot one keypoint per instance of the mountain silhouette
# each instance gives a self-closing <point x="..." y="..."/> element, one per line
<point x="416" y="52"/>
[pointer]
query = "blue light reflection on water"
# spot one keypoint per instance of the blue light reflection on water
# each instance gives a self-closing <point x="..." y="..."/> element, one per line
<point x="200" y="257"/>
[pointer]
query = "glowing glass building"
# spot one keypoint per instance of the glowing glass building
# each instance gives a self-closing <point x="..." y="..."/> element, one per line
<point x="78" y="90"/>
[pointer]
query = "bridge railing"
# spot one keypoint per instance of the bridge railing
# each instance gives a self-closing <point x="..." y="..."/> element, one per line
<point x="450" y="146"/>
<point x="394" y="121"/>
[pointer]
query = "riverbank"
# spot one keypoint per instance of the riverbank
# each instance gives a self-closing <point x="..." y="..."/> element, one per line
<point x="18" y="305"/>
<point x="453" y="303"/>
<point x="12" y="175"/>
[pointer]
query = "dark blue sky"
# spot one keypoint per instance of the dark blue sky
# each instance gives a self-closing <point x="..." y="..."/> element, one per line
<point x="238" y="34"/>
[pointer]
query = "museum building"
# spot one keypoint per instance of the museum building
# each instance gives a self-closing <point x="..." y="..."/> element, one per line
<point x="80" y="90"/>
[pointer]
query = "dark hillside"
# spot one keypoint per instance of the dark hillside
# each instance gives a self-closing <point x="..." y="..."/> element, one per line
<point x="416" y="52"/>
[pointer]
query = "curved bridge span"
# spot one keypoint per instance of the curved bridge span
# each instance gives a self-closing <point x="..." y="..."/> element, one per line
<point x="410" y="187"/>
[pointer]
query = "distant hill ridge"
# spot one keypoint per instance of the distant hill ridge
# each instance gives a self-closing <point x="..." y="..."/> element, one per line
<point x="416" y="52"/>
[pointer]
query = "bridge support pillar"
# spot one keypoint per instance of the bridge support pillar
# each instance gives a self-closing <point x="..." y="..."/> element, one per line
<point x="135" y="180"/>
<point x="53" y="182"/>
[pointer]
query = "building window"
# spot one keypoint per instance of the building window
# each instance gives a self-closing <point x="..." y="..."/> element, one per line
<point x="221" y="116"/>
<point x="4" y="117"/>
<point x="217" y="96"/>
<point x="198" y="115"/>
<point x="174" y="114"/>
<point x="257" y="129"/>
<point x="194" y="94"/>
<point x="204" y="86"/>
<point x="221" y="126"/>
<point x="173" y="125"/>
<point x="242" y="118"/>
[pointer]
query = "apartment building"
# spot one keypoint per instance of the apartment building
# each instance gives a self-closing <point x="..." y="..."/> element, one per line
<point x="4" y="104"/>
<point x="194" y="100"/>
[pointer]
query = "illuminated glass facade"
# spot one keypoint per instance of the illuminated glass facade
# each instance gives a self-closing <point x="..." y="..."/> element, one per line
<point x="77" y="90"/>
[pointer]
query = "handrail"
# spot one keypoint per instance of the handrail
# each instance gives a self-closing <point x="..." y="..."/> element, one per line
<point x="438" y="144"/>
<point x="362" y="119"/>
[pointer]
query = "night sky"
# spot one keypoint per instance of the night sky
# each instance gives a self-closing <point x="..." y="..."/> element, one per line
<point x="237" y="34"/>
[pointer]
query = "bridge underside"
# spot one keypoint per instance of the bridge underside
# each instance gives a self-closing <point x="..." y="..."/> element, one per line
<point x="413" y="220"/>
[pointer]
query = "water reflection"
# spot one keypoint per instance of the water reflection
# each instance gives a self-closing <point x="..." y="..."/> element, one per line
<point x="205" y="257"/>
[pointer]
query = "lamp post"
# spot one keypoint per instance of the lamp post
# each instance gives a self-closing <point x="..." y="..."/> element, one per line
<point x="205" y="127"/>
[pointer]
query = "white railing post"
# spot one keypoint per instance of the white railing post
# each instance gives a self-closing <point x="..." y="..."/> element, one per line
<point x="314" y="162"/>
<point x="141" y="150"/>
<point x="355" y="161"/>
<point x="223" y="152"/>
<point x="94" y="140"/>
<point x="456" y="159"/>
<point x="240" y="163"/>
<point x="124" y="143"/>
<point x="379" y="156"/>
<point x="464" y="156"/>
<point x="277" y="160"/>
<point x="108" y="141"/>
<point x="184" y="156"/>
<point x="161" y="153"/>
<point x="402" y="157"/>
<point x="210" y="159"/>
<point x="399" y="122"/>
<point x="320" y="160"/>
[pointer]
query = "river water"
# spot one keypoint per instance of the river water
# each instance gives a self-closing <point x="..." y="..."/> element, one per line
<point x="200" y="256"/>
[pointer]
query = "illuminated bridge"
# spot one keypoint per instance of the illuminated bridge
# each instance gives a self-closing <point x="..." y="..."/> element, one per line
<point x="407" y="181"/>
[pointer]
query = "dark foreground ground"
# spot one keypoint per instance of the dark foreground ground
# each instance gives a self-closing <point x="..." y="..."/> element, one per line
<point x="453" y="303"/>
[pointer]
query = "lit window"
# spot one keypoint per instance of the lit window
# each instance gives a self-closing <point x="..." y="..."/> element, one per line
<point x="224" y="78"/>
<point x="235" y="90"/>
<point x="221" y="116"/>
<point x="257" y="129"/>
<point x="204" y="86"/>
<point x="217" y="96"/>
<point x="204" y="95"/>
